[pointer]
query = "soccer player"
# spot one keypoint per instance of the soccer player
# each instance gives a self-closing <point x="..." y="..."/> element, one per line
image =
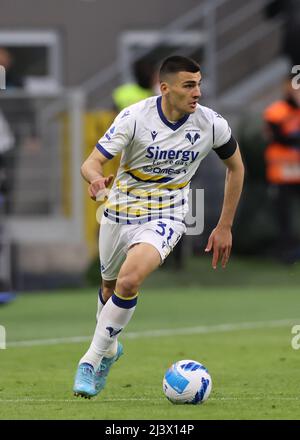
<point x="163" y="140"/>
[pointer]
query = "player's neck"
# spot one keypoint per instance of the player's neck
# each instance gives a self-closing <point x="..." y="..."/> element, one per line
<point x="170" y="113"/>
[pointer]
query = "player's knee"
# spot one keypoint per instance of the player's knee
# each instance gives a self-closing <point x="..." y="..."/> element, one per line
<point x="128" y="285"/>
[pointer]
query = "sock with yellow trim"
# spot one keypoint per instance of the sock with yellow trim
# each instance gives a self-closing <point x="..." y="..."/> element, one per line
<point x="114" y="317"/>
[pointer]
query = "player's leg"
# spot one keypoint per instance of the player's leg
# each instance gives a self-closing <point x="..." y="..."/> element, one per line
<point x="105" y="292"/>
<point x="116" y="314"/>
<point x="111" y="256"/>
<point x="141" y="260"/>
<point x="148" y="245"/>
<point x="87" y="381"/>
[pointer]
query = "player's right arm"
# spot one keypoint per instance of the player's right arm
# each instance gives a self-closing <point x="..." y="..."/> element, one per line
<point x="92" y="167"/>
<point x="92" y="172"/>
<point x="118" y="136"/>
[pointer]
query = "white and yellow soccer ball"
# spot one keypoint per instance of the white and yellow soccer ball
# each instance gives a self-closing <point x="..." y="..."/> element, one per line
<point x="187" y="381"/>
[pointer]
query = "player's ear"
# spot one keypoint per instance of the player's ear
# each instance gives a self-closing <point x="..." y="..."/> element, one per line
<point x="164" y="88"/>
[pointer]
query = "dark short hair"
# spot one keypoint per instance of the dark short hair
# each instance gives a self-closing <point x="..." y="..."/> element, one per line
<point x="177" y="64"/>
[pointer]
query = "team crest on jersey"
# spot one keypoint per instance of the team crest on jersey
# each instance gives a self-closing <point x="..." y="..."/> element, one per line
<point x="193" y="138"/>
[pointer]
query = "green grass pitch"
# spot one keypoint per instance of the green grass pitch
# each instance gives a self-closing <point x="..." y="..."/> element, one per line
<point x="241" y="334"/>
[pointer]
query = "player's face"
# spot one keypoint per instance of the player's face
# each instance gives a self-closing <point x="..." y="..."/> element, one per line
<point x="182" y="91"/>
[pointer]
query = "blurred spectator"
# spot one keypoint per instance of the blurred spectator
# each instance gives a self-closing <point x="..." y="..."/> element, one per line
<point x="282" y="158"/>
<point x="6" y="144"/>
<point x="6" y="136"/>
<point x="146" y="77"/>
<point x="7" y="140"/>
<point x="290" y="9"/>
<point x="7" y="61"/>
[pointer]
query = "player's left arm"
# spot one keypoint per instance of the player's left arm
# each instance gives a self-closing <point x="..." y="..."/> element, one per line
<point x="220" y="240"/>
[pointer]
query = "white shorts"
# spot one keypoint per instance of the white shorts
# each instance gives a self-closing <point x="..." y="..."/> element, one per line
<point x="115" y="240"/>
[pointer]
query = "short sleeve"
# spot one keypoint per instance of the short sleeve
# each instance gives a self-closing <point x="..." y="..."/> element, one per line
<point x="221" y="131"/>
<point x="118" y="136"/>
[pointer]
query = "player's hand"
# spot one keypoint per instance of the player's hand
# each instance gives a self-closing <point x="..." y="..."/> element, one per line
<point x="97" y="189"/>
<point x="220" y="241"/>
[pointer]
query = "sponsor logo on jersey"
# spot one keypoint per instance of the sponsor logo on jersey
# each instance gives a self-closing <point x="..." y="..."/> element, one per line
<point x="126" y="113"/>
<point x="217" y="115"/>
<point x="110" y="132"/>
<point x="158" y="170"/>
<point x="154" y="134"/>
<point x="156" y="153"/>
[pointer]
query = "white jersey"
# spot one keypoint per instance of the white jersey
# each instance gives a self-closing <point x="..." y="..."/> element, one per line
<point x="159" y="159"/>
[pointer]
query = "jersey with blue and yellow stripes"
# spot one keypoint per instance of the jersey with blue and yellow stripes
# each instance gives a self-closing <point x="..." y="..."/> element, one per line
<point x="158" y="159"/>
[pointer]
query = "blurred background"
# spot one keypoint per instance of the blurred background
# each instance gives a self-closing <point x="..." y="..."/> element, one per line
<point x="71" y="65"/>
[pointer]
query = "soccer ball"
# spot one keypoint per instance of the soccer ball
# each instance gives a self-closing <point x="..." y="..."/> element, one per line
<point x="187" y="381"/>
